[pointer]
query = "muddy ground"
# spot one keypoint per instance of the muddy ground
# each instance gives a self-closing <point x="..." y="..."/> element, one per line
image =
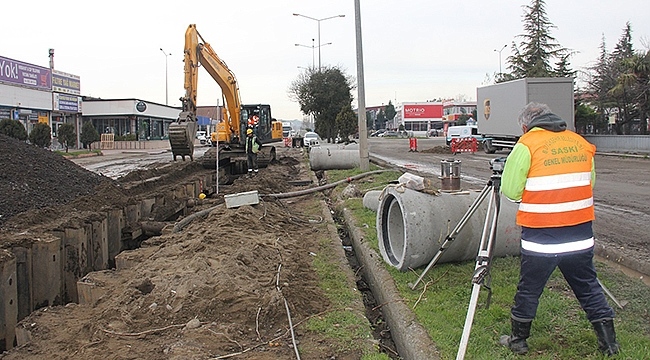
<point x="227" y="285"/>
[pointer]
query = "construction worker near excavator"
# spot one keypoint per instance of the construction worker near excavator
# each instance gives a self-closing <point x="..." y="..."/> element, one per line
<point x="253" y="146"/>
<point x="551" y="173"/>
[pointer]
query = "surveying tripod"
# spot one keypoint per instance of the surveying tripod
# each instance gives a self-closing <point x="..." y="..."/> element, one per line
<point x="483" y="259"/>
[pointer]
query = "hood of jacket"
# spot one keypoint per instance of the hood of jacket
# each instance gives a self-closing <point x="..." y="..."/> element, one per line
<point x="549" y="122"/>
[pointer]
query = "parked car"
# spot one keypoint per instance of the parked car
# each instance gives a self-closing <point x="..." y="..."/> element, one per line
<point x="434" y="132"/>
<point x="377" y="133"/>
<point x="311" y="139"/>
<point x="202" y="136"/>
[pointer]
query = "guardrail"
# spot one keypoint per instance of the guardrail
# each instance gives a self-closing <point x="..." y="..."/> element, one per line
<point x="620" y="143"/>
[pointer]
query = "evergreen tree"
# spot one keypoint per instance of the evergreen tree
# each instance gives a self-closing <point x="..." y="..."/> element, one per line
<point x="346" y="123"/>
<point x="41" y="135"/>
<point x="13" y="128"/>
<point x="67" y="135"/>
<point x="89" y="134"/>
<point x="621" y="91"/>
<point x="534" y="55"/>
<point x="389" y="111"/>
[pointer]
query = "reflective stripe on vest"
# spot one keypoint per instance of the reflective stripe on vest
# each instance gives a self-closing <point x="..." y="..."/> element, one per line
<point x="557" y="248"/>
<point x="256" y="146"/>
<point x="558" y="190"/>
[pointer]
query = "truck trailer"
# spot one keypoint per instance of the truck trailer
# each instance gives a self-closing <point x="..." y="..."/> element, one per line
<point x="499" y="105"/>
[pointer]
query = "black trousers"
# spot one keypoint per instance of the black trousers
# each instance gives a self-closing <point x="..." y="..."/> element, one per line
<point x="578" y="270"/>
<point x="251" y="159"/>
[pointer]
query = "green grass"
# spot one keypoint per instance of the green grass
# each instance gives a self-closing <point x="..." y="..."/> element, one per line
<point x="345" y="323"/>
<point x="73" y="153"/>
<point x="560" y="330"/>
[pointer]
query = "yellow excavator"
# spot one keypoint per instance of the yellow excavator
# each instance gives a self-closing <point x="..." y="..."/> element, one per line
<point x="228" y="141"/>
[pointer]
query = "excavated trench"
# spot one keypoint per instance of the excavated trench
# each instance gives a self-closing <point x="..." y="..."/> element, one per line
<point x="380" y="330"/>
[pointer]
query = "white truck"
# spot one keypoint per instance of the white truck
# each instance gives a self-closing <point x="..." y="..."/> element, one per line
<point x="499" y="105"/>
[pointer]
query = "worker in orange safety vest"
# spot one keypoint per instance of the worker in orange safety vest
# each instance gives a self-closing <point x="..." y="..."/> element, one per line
<point x="550" y="172"/>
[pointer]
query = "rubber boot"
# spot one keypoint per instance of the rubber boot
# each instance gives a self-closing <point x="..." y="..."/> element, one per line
<point x="516" y="341"/>
<point x="606" y="336"/>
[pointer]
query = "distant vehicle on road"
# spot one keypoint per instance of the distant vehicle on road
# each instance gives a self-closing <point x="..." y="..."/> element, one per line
<point x="462" y="131"/>
<point x="311" y="139"/>
<point x="202" y="136"/>
<point x="392" y="133"/>
<point x="377" y="133"/>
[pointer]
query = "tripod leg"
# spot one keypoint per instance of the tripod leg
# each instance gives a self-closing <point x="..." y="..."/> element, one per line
<point x="481" y="270"/>
<point x="452" y="235"/>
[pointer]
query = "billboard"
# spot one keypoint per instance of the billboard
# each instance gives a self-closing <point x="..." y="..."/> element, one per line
<point x="20" y="73"/>
<point x="65" y="83"/>
<point x="422" y="111"/>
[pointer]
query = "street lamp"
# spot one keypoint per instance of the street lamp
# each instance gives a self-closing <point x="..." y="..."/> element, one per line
<point x="312" y="50"/>
<point x="166" y="88"/>
<point x="499" y="51"/>
<point x="318" y="20"/>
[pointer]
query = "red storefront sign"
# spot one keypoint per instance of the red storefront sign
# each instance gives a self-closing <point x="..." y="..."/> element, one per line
<point x="424" y="111"/>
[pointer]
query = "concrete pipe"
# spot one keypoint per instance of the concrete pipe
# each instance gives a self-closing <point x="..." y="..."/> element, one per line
<point x="412" y="225"/>
<point x="323" y="158"/>
<point x="371" y="199"/>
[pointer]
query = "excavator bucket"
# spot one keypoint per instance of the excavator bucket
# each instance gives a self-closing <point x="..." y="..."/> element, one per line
<point x="181" y="138"/>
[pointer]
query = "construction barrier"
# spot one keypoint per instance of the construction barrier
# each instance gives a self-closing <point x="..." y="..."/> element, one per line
<point x="468" y="144"/>
<point x="413" y="144"/>
<point x="287" y="142"/>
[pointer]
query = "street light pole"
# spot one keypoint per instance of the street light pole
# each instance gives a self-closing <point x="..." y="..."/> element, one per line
<point x="318" y="20"/>
<point x="499" y="51"/>
<point x="312" y="50"/>
<point x="166" y="88"/>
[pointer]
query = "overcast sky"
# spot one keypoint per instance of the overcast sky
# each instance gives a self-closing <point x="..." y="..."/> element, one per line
<point x="413" y="50"/>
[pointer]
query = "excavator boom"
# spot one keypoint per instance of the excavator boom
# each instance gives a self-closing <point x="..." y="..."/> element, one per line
<point x="229" y="133"/>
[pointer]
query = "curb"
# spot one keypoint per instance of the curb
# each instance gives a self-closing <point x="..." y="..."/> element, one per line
<point x="411" y="339"/>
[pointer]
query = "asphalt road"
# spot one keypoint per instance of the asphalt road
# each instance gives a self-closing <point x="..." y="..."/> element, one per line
<point x="621" y="192"/>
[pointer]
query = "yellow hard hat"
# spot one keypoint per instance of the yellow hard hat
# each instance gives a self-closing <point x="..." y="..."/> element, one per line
<point x="249" y="131"/>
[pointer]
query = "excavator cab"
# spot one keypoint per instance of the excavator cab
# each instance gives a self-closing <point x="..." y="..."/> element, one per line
<point x="262" y="123"/>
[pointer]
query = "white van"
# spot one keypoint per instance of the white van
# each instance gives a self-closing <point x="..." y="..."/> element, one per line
<point x="463" y="131"/>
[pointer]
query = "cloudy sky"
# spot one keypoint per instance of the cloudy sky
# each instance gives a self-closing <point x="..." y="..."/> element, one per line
<point x="413" y="50"/>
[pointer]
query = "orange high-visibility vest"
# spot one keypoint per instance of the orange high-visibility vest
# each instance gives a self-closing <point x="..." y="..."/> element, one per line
<point x="558" y="189"/>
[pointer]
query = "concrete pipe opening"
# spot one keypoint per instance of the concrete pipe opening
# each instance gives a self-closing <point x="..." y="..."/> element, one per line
<point x="411" y="227"/>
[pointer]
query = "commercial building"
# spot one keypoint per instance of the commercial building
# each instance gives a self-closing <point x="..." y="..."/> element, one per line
<point x="31" y="94"/>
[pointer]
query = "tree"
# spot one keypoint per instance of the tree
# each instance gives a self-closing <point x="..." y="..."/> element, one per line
<point x="323" y="93"/>
<point x="380" y="122"/>
<point x="621" y="91"/>
<point x="67" y="135"/>
<point x="533" y="56"/>
<point x="13" y="128"/>
<point x="346" y="122"/>
<point x="389" y="111"/>
<point x="41" y="135"/>
<point x="89" y="134"/>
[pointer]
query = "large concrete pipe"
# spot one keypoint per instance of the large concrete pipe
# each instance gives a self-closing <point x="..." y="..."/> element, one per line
<point x="412" y="225"/>
<point x="371" y="199"/>
<point x="324" y="158"/>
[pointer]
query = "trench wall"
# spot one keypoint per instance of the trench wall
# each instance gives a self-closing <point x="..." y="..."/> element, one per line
<point x="45" y="269"/>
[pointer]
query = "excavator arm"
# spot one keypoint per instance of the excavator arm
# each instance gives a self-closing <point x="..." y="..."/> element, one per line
<point x="196" y="54"/>
<point x="226" y="79"/>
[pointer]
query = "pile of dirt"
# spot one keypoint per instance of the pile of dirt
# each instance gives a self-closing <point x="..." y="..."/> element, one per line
<point x="229" y="283"/>
<point x="35" y="178"/>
